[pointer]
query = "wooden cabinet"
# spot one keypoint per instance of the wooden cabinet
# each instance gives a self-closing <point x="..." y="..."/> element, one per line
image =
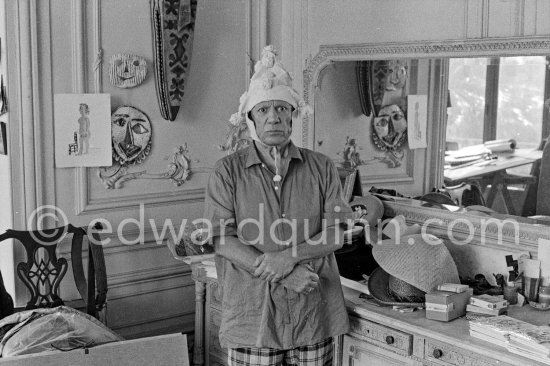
<point x="378" y="335"/>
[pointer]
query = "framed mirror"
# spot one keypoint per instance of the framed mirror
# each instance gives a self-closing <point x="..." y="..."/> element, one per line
<point x="331" y="86"/>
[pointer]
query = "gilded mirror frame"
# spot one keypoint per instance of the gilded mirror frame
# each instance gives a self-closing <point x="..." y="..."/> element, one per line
<point x="527" y="234"/>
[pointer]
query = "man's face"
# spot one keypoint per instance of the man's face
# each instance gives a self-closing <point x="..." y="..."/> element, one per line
<point x="273" y="120"/>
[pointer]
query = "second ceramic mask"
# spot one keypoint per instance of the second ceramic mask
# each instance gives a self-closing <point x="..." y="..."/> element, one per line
<point x="127" y="71"/>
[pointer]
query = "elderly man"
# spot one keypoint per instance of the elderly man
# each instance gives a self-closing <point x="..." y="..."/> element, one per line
<point x="276" y="212"/>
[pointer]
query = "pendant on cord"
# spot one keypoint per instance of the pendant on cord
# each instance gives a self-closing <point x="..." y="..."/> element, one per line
<point x="277" y="178"/>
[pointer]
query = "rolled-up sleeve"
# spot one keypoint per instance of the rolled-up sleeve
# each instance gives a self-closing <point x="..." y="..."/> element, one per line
<point x="336" y="210"/>
<point x="219" y="208"/>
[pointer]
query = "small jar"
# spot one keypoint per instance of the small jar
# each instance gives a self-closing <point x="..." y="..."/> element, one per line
<point x="511" y="294"/>
<point x="544" y="295"/>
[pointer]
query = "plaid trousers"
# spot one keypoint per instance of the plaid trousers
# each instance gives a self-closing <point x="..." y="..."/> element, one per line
<point x="319" y="354"/>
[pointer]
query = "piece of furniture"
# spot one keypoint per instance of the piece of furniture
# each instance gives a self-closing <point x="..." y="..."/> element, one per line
<point x="543" y="190"/>
<point x="43" y="270"/>
<point x="493" y="173"/>
<point x="378" y="336"/>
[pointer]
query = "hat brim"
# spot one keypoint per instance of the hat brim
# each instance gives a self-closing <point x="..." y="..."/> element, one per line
<point x="378" y="288"/>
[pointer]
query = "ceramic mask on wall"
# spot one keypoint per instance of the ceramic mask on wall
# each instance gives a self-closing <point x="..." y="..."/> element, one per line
<point x="396" y="76"/>
<point x="127" y="71"/>
<point x="390" y="128"/>
<point x="131" y="134"/>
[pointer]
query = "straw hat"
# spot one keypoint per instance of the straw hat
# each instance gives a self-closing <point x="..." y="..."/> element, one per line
<point x="409" y="269"/>
<point x="270" y="82"/>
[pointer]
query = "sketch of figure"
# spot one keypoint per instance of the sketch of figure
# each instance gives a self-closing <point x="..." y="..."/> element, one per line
<point x="83" y="129"/>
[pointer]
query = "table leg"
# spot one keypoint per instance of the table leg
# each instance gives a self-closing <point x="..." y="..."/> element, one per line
<point x="198" y="350"/>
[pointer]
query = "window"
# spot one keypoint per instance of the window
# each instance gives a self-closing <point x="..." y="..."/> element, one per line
<point x="498" y="98"/>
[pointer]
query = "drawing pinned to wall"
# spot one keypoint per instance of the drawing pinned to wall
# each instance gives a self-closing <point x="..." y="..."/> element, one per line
<point x="82" y="130"/>
<point x="127" y="71"/>
<point x="3" y="139"/>
<point x="3" y="97"/>
<point x="173" y="30"/>
<point x="418" y="121"/>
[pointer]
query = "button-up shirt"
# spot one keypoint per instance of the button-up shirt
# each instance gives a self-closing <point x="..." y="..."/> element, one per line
<point x="242" y="199"/>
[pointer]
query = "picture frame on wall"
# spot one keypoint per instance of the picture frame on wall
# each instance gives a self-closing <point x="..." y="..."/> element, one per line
<point x="3" y="139"/>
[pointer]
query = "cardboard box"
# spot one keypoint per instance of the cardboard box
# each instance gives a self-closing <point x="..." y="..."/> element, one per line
<point x="445" y="305"/>
<point x="165" y="350"/>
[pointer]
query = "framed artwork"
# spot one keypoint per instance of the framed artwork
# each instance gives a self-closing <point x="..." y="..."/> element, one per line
<point x="3" y="139"/>
<point x="82" y="130"/>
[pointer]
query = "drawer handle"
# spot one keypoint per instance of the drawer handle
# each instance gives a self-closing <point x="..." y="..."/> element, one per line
<point x="437" y="353"/>
<point x="390" y="340"/>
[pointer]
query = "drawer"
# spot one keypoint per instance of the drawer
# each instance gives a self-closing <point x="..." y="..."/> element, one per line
<point x="215" y="298"/>
<point x="446" y="354"/>
<point x="382" y="336"/>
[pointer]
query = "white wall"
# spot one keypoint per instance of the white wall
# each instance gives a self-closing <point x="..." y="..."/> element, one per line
<point x="149" y="291"/>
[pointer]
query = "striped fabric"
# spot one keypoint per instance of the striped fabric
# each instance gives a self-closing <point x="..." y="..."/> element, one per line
<point x="319" y="354"/>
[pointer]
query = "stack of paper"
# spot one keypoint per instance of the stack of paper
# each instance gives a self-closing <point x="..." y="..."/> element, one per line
<point x="497" y="329"/>
<point x="532" y="343"/>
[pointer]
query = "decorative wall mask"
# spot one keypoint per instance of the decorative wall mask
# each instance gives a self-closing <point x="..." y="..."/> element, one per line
<point x="173" y="23"/>
<point x="127" y="71"/>
<point x="131" y="134"/>
<point x="390" y="128"/>
<point x="383" y="96"/>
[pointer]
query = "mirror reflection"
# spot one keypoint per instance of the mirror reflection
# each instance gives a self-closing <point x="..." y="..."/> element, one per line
<point x="497" y="123"/>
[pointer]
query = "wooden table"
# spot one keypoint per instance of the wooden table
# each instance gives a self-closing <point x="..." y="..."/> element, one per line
<point x="493" y="172"/>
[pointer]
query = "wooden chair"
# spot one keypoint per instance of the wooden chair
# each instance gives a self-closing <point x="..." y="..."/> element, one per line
<point x="531" y="190"/>
<point x="43" y="270"/>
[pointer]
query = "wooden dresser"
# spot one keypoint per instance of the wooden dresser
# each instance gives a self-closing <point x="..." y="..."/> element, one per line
<point x="378" y="336"/>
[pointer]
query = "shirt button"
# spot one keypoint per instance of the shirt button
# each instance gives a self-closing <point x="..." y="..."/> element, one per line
<point x="263" y="165"/>
<point x="283" y="215"/>
<point x="276" y="188"/>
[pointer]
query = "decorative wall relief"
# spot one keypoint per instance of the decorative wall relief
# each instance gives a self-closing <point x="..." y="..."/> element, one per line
<point x="127" y="71"/>
<point x="178" y="171"/>
<point x="237" y="136"/>
<point x="173" y="23"/>
<point x="383" y="96"/>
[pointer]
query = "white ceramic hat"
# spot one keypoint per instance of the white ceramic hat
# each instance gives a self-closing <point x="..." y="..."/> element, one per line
<point x="269" y="82"/>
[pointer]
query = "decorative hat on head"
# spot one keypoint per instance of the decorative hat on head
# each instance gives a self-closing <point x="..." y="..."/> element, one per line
<point x="269" y="82"/>
<point x="410" y="269"/>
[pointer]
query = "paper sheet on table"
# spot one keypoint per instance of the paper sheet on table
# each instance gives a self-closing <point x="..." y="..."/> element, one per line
<point x="544" y="258"/>
<point x="417" y="116"/>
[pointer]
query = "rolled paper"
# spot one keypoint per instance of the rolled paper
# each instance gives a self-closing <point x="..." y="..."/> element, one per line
<point x="497" y="146"/>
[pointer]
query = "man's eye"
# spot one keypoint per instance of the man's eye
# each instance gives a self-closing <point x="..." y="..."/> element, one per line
<point x="120" y="122"/>
<point x="282" y="108"/>
<point x="261" y="110"/>
<point x="139" y="129"/>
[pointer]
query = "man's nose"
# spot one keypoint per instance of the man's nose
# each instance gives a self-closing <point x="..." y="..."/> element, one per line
<point x="272" y="116"/>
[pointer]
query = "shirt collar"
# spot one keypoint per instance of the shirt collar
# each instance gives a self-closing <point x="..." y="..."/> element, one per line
<point x="253" y="158"/>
